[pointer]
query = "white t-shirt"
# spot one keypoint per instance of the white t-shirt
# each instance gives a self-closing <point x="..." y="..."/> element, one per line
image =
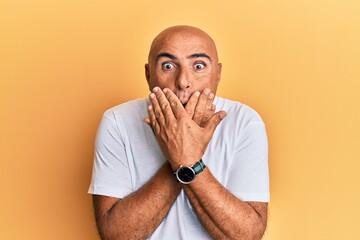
<point x="127" y="155"/>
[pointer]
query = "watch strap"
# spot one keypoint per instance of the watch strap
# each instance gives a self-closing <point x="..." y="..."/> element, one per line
<point x="198" y="167"/>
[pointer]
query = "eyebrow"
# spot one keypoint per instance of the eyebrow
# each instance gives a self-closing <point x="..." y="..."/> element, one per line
<point x="165" y="54"/>
<point x="171" y="56"/>
<point x="199" y="55"/>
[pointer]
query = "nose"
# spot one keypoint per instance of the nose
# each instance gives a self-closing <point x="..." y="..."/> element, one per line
<point x="182" y="80"/>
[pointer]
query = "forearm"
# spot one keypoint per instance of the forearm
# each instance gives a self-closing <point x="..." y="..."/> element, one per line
<point x="222" y="214"/>
<point x="147" y="206"/>
<point x="204" y="218"/>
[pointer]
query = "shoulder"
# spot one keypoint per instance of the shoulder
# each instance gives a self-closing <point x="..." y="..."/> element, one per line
<point x="131" y="109"/>
<point x="238" y="112"/>
<point x="124" y="119"/>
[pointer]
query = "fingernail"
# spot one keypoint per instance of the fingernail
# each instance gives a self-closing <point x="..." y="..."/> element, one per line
<point x="206" y="91"/>
<point x="211" y="96"/>
<point x="197" y="93"/>
<point x="165" y="90"/>
<point x="222" y="116"/>
<point x="155" y="89"/>
<point x="152" y="95"/>
<point x="149" y="107"/>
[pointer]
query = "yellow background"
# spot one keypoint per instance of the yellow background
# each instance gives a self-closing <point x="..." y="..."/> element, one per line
<point x="63" y="63"/>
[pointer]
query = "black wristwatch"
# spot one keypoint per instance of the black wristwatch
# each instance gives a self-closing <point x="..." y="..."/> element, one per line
<point x="186" y="174"/>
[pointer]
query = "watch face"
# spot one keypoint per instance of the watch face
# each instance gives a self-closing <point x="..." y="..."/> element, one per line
<point x="185" y="175"/>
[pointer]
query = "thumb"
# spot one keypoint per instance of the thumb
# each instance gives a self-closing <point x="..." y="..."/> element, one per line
<point x="147" y="120"/>
<point x="215" y="120"/>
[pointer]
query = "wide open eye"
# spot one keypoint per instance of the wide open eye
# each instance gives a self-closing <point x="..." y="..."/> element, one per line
<point x="167" y="66"/>
<point x="199" y="66"/>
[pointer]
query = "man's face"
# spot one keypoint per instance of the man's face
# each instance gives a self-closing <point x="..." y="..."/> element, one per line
<point x="184" y="63"/>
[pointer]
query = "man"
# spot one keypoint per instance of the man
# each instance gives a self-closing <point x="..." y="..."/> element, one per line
<point x="169" y="167"/>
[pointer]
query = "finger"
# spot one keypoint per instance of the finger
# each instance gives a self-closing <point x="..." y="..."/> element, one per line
<point x="175" y="104"/>
<point x="152" y="120"/>
<point x="164" y="104"/>
<point x="191" y="104"/>
<point x="147" y="120"/>
<point x="209" y="104"/>
<point x="156" y="109"/>
<point x="200" y="106"/>
<point x="209" y="109"/>
<point x="214" y="121"/>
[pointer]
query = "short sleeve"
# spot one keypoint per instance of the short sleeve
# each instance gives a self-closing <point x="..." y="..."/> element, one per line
<point x="249" y="174"/>
<point x="111" y="175"/>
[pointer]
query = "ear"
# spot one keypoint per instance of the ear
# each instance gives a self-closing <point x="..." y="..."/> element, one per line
<point x="147" y="72"/>
<point x="219" y="73"/>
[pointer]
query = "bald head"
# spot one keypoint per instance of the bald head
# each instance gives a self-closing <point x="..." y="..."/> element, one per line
<point x="182" y="34"/>
<point x="183" y="59"/>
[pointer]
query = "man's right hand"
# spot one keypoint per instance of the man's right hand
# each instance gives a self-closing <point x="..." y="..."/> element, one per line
<point x="200" y="106"/>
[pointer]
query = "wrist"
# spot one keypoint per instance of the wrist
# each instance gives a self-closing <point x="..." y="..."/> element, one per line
<point x="176" y="164"/>
<point x="187" y="174"/>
